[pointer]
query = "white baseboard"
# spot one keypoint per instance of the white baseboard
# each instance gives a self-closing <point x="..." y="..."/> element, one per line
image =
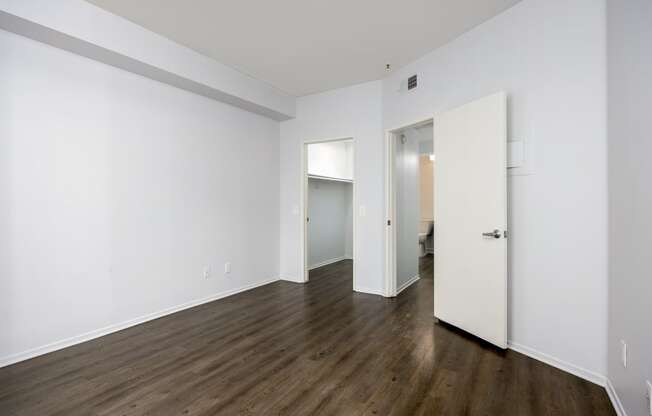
<point x="78" y="339"/>
<point x="407" y="284"/>
<point x="368" y="291"/>
<point x="615" y="400"/>
<point x="291" y="279"/>
<point x="588" y="375"/>
<point x="327" y="262"/>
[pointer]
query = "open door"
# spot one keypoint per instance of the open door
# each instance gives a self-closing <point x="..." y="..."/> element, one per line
<point x="471" y="218"/>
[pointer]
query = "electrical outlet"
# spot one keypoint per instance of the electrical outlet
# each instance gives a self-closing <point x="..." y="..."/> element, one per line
<point x="623" y="351"/>
<point x="207" y="272"/>
<point x="227" y="267"/>
<point x="649" y="395"/>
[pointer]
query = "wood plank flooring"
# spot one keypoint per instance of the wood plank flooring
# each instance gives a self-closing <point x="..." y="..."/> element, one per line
<point x="291" y="349"/>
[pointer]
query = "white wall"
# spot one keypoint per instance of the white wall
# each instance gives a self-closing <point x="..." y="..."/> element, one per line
<point x="116" y="192"/>
<point x="406" y="181"/>
<point x="549" y="56"/>
<point x="331" y="159"/>
<point x="630" y="200"/>
<point x="348" y="112"/>
<point x="329" y="229"/>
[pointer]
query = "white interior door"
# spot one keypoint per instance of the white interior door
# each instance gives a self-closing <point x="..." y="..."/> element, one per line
<point x="471" y="218"/>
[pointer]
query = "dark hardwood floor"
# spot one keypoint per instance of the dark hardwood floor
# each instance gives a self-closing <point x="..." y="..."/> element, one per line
<point x="296" y="349"/>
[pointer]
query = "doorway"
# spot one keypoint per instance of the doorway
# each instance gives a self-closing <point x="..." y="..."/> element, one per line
<point x="328" y="225"/>
<point x="469" y="214"/>
<point x="410" y="205"/>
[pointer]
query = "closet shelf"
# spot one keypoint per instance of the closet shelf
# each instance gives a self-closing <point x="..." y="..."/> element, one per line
<point x="328" y="178"/>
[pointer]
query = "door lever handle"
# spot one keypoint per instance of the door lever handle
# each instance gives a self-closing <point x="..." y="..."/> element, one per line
<point x="495" y="234"/>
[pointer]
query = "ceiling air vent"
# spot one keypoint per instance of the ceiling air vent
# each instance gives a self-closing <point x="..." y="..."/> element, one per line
<point x="412" y="82"/>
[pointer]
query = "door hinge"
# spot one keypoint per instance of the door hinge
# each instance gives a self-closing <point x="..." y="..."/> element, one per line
<point x="307" y="219"/>
<point x="389" y="222"/>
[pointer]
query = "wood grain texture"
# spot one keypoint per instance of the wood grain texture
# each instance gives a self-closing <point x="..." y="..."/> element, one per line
<point x="292" y="349"/>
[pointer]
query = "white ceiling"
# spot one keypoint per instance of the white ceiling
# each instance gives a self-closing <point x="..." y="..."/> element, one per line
<point x="307" y="46"/>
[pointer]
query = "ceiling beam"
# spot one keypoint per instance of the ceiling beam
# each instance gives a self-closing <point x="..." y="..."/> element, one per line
<point x="87" y="30"/>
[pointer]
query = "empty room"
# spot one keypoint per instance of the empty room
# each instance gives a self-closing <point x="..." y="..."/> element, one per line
<point x="418" y="207"/>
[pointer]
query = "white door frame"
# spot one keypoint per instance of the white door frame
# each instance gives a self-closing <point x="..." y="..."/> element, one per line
<point x="390" y="289"/>
<point x="304" y="204"/>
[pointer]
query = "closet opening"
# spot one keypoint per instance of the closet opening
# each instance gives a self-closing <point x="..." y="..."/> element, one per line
<point x="328" y="201"/>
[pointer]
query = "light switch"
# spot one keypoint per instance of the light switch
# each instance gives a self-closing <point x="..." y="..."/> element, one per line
<point x="623" y="353"/>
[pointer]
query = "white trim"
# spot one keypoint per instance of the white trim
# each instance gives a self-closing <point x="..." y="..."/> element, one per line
<point x="588" y="375"/>
<point x="327" y="262"/>
<point x="615" y="400"/>
<point x="419" y="122"/>
<point x="389" y="219"/>
<point x="332" y="139"/>
<point x="78" y="339"/>
<point x="292" y="279"/>
<point x="367" y="291"/>
<point x="407" y="284"/>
